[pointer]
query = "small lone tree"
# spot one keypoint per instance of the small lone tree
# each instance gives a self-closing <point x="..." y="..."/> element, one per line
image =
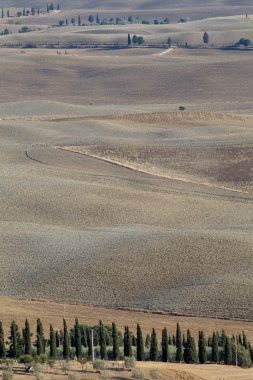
<point x="91" y="19"/>
<point x="206" y="38"/>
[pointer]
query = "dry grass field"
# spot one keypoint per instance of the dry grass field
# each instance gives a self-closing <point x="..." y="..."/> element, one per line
<point x="165" y="372"/>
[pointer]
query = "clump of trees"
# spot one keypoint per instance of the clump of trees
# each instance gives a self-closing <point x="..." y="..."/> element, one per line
<point x="244" y="42"/>
<point x="106" y="342"/>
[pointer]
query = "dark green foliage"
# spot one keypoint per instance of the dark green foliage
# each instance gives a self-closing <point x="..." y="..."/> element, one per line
<point x="139" y="344"/>
<point x="77" y="339"/>
<point x="228" y="351"/>
<point x="66" y="341"/>
<point x="129" y="41"/>
<point x="40" y="343"/>
<point x="147" y="341"/>
<point x="89" y="342"/>
<point x="102" y="341"/>
<point x="244" y="340"/>
<point x="115" y="342"/>
<point x="153" y="346"/>
<point x="79" y="21"/>
<point x="202" y="348"/>
<point x="27" y="339"/>
<point x="91" y="19"/>
<point x="179" y="345"/>
<point x="52" y="342"/>
<point x="206" y="38"/>
<point x="190" y="352"/>
<point x="215" y="348"/>
<point x="2" y="343"/>
<point x="15" y="349"/>
<point x="127" y="343"/>
<point x="83" y="336"/>
<point x="165" y="345"/>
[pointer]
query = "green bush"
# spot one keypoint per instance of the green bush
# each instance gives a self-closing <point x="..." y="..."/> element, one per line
<point x="138" y="374"/>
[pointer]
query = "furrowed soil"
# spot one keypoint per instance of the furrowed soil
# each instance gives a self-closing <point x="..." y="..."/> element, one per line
<point x="109" y="195"/>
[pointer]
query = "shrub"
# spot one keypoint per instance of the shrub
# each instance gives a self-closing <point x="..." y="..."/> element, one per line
<point x="244" y="359"/>
<point x="99" y="365"/>
<point x="130" y="362"/>
<point x="73" y="376"/>
<point x="137" y="374"/>
<point x="65" y="367"/>
<point x="154" y="373"/>
<point x="25" y="359"/>
<point x="104" y="375"/>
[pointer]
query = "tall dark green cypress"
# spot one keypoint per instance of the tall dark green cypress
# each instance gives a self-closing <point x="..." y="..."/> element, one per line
<point x="66" y="341"/>
<point x="228" y="352"/>
<point x="52" y="343"/>
<point x="202" y="348"/>
<point x="179" y="345"/>
<point x="15" y="349"/>
<point x="115" y="342"/>
<point x="40" y="341"/>
<point x="77" y="339"/>
<point x="57" y="339"/>
<point x="2" y="343"/>
<point x="89" y="342"/>
<point x="165" y="345"/>
<point x="153" y="346"/>
<point x="129" y="40"/>
<point x="215" y="348"/>
<point x="102" y="340"/>
<point x="139" y="344"/>
<point x="190" y="352"/>
<point x="245" y="340"/>
<point x="127" y="343"/>
<point x="27" y="339"/>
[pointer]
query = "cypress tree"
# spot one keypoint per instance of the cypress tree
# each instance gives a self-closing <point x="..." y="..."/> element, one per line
<point x="139" y="344"/>
<point x="179" y="345"/>
<point x="77" y="339"/>
<point x="127" y="343"/>
<point x="2" y="13"/>
<point x="27" y="339"/>
<point x="215" y="348"/>
<point x="190" y="352"/>
<point x="40" y="341"/>
<point x="2" y="343"/>
<point x="66" y="341"/>
<point x="153" y="346"/>
<point x="52" y="343"/>
<point x="102" y="341"/>
<point x="129" y="40"/>
<point x="83" y="336"/>
<point x="89" y="342"/>
<point x="57" y="339"/>
<point x="79" y="21"/>
<point x="228" y="352"/>
<point x="15" y="349"/>
<point x="202" y="348"/>
<point x="244" y="340"/>
<point x="165" y="345"/>
<point x="147" y="341"/>
<point x="115" y="342"/>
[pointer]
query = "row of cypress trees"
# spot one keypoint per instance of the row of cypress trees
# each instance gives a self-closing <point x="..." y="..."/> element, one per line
<point x="223" y="348"/>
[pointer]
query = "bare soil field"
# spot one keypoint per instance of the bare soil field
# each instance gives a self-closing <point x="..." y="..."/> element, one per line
<point x="109" y="195"/>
